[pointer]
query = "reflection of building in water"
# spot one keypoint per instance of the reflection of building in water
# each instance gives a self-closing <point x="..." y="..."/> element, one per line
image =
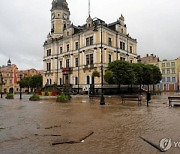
<point x="72" y="53"/>
<point x="11" y="76"/>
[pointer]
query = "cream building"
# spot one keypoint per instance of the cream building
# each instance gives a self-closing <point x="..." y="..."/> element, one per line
<point x="72" y="53"/>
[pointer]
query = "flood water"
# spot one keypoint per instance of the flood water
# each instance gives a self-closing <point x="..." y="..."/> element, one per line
<point x="26" y="127"/>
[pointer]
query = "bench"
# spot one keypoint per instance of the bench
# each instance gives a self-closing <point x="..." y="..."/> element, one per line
<point x="131" y="98"/>
<point x="173" y="99"/>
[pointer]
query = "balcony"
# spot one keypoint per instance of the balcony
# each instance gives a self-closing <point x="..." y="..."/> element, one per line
<point x="67" y="70"/>
<point x="90" y="66"/>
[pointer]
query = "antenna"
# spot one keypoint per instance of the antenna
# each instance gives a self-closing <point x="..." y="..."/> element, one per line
<point x="89" y="6"/>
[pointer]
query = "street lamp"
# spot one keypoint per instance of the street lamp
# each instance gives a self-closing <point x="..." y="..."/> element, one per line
<point x="20" y="86"/>
<point x="102" y="100"/>
<point x="1" y="84"/>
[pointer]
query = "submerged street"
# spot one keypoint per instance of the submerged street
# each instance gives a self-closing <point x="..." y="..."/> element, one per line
<point x="32" y="127"/>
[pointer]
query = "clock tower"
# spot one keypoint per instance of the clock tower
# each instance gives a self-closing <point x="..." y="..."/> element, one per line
<point x="60" y="15"/>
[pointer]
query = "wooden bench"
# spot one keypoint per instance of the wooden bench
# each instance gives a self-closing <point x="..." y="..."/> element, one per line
<point x="131" y="98"/>
<point x="173" y="99"/>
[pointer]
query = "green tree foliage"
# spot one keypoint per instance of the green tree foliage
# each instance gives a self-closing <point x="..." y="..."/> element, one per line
<point x="122" y="72"/>
<point x="32" y="82"/>
<point x="36" y="81"/>
<point x="108" y="77"/>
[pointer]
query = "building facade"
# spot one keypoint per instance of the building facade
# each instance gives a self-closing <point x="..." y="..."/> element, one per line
<point x="170" y="72"/>
<point x="11" y="75"/>
<point x="170" y="75"/>
<point x="72" y="53"/>
<point x="150" y="59"/>
<point x="9" y="79"/>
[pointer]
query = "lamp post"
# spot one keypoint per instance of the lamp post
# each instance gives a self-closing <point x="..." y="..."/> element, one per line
<point x="20" y="86"/>
<point x="1" y="84"/>
<point x="102" y="100"/>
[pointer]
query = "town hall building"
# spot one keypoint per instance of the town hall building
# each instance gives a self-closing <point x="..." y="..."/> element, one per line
<point x="72" y="53"/>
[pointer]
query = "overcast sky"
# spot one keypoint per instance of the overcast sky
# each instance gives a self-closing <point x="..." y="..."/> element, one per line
<point x="24" y="26"/>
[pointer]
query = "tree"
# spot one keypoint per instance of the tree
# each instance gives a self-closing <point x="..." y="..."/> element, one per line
<point x="121" y="72"/>
<point x="157" y="76"/>
<point x="36" y="81"/>
<point x="108" y="77"/>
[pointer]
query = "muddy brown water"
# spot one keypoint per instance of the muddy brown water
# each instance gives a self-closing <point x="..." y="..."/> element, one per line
<point x="117" y="128"/>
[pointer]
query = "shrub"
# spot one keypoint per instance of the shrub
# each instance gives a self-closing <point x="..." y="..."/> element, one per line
<point x="34" y="97"/>
<point x="63" y="98"/>
<point x="10" y="96"/>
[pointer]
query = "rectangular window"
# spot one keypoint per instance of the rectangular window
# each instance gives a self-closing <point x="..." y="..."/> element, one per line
<point x="67" y="63"/>
<point x="91" y="59"/>
<point x="122" y="45"/>
<point x="110" y="58"/>
<point x="48" y="66"/>
<point x="67" y="47"/>
<point x="168" y="79"/>
<point x="109" y="41"/>
<point x="167" y="64"/>
<point x="87" y="41"/>
<point x="49" y="52"/>
<point x="163" y="64"/>
<point x="76" y="45"/>
<point x="173" y="79"/>
<point x="168" y="71"/>
<point x="76" y="62"/>
<point x="91" y="40"/>
<point x="163" y="79"/>
<point x="60" y="64"/>
<point x="131" y="49"/>
<point x="61" y="50"/>
<point x="173" y="71"/>
<point x="163" y="71"/>
<point x="87" y="59"/>
<point x="172" y="63"/>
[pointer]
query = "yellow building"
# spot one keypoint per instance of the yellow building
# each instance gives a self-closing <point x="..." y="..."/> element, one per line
<point x="11" y="76"/>
<point x="72" y="53"/>
<point x="9" y="73"/>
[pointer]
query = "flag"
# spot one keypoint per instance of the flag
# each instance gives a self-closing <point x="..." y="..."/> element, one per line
<point x="15" y="77"/>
